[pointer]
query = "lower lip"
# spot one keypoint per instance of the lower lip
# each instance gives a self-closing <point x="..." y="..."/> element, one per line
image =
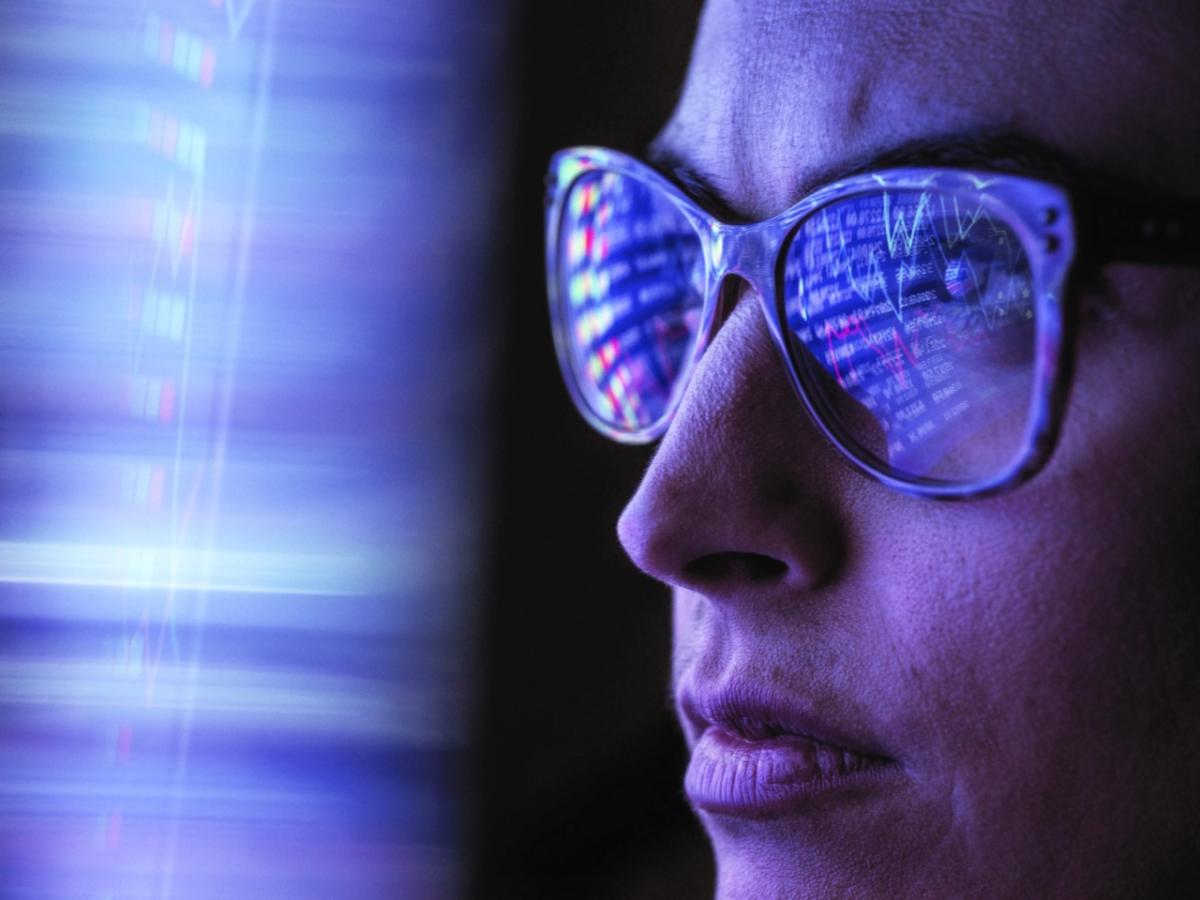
<point x="731" y="775"/>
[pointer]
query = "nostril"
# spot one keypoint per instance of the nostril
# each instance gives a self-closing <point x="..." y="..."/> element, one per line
<point x="717" y="568"/>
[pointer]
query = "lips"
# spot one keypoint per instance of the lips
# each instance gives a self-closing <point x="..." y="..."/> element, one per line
<point x="755" y="755"/>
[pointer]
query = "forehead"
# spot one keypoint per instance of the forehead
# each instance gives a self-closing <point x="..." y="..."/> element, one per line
<point x="777" y="91"/>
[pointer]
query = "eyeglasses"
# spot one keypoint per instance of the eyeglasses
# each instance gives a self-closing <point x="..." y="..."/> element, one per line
<point x="921" y="314"/>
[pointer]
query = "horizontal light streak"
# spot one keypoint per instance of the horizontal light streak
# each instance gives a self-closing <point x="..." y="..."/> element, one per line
<point x="162" y="568"/>
<point x="413" y="713"/>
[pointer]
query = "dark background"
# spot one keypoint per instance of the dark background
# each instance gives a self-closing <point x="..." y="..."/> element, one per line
<point x="577" y="782"/>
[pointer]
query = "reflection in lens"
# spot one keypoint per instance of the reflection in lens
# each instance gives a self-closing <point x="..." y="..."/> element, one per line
<point x="913" y="315"/>
<point x="631" y="276"/>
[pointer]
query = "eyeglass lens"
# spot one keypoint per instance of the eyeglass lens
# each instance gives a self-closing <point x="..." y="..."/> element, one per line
<point x="633" y="275"/>
<point x="910" y="316"/>
<point x="913" y="322"/>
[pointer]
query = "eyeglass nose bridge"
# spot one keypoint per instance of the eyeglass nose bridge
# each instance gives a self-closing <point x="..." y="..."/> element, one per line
<point x="750" y="253"/>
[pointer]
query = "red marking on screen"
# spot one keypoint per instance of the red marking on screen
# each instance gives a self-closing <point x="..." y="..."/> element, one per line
<point x="892" y="360"/>
<point x="208" y="66"/>
<point x="166" y="402"/>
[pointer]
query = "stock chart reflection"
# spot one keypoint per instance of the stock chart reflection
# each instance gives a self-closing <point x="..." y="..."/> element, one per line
<point x="914" y="316"/>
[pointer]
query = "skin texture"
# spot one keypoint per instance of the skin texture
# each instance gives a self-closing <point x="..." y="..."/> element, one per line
<point x="1030" y="659"/>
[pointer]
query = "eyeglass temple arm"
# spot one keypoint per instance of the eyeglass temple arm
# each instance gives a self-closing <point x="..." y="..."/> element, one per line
<point x="1158" y="232"/>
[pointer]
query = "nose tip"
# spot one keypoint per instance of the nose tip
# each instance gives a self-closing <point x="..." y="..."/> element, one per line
<point x="733" y="500"/>
<point x="710" y="543"/>
<point x="758" y="546"/>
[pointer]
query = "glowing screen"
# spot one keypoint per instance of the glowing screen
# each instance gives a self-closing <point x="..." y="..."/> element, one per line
<point x="237" y="449"/>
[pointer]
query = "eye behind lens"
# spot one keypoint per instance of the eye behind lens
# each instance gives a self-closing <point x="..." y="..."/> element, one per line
<point x="912" y="321"/>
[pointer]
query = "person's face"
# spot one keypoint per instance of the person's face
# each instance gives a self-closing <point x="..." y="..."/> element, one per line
<point x="1026" y="665"/>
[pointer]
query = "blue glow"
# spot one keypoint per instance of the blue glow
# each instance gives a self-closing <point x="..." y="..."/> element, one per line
<point x="238" y="475"/>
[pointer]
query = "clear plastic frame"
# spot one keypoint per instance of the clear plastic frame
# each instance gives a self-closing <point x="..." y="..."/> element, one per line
<point x="859" y="235"/>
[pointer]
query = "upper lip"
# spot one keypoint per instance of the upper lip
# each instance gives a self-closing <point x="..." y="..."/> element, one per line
<point x="754" y="711"/>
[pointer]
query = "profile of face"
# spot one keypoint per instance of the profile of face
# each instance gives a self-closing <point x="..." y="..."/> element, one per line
<point x="995" y="697"/>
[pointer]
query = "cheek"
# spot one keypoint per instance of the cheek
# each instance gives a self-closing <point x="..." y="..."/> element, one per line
<point x="689" y="621"/>
<point x="1049" y="638"/>
<point x="973" y="627"/>
<point x="1132" y="440"/>
<point x="685" y="615"/>
<point x="1130" y="453"/>
<point x="1040" y="599"/>
<point x="1014" y="654"/>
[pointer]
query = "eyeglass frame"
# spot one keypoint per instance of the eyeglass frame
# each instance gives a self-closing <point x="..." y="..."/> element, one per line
<point x="1051" y="220"/>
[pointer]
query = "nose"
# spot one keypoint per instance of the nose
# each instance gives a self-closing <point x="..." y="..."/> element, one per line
<point x="739" y="498"/>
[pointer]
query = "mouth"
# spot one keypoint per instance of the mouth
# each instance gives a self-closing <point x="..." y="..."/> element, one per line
<point x="754" y="756"/>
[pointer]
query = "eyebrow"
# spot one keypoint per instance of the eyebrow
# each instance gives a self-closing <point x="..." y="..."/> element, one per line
<point x="997" y="151"/>
<point x="1130" y="221"/>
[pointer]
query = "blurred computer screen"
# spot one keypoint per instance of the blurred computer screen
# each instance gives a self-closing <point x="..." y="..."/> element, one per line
<point x="246" y="372"/>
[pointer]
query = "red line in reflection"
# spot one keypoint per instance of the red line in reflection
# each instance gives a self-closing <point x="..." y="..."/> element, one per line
<point x="893" y="360"/>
